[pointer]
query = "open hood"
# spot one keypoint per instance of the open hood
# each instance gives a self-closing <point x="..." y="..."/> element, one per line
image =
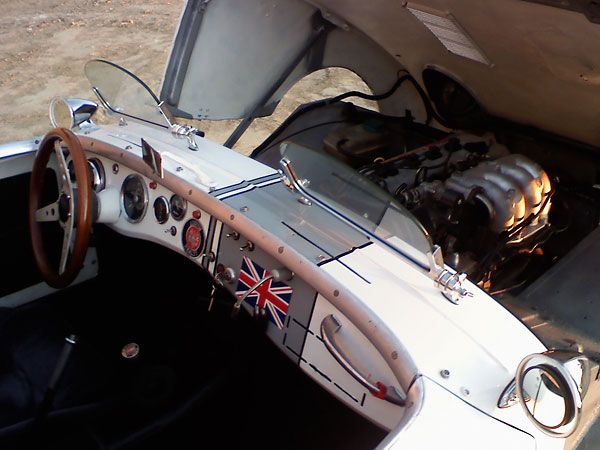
<point x="235" y="59"/>
<point x="532" y="62"/>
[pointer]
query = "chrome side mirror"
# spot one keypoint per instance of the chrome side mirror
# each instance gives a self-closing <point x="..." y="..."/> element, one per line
<point x="553" y="385"/>
<point x="71" y="112"/>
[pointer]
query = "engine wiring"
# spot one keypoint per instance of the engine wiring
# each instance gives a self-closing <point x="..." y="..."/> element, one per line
<point x="271" y="142"/>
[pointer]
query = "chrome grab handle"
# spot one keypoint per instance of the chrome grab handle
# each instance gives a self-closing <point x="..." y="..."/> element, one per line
<point x="330" y="327"/>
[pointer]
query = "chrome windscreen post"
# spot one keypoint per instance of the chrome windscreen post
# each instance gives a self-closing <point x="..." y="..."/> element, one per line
<point x="289" y="174"/>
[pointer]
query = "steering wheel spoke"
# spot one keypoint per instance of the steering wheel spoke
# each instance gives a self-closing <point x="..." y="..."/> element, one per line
<point x="48" y="213"/>
<point x="67" y="246"/>
<point x="64" y="179"/>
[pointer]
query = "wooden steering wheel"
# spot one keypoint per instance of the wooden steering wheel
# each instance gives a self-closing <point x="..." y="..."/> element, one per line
<point x="72" y="209"/>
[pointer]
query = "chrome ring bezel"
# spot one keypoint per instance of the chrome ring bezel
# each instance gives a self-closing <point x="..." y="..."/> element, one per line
<point x="145" y="188"/>
<point x="167" y="205"/>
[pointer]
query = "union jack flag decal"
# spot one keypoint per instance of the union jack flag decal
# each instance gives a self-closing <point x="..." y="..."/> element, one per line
<point x="273" y="296"/>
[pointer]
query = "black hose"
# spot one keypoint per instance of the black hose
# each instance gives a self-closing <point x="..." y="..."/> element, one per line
<point x="269" y="142"/>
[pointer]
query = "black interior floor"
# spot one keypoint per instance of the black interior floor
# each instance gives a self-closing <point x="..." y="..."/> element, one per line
<point x="201" y="379"/>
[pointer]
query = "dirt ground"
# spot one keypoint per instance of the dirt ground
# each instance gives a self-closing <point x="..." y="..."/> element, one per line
<point x="44" y="45"/>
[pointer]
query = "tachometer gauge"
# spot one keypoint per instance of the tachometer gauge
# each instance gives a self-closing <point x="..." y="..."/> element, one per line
<point x="161" y="209"/>
<point x="178" y="207"/>
<point x="134" y="198"/>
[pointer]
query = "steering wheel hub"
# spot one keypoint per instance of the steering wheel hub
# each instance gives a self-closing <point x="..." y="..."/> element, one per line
<point x="64" y="208"/>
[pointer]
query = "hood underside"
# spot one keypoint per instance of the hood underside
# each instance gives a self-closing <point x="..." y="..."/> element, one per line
<point x="530" y="62"/>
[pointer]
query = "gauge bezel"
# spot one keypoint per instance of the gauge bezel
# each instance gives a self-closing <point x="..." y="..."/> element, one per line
<point x="178" y="217"/>
<point x="98" y="174"/>
<point x="194" y="253"/>
<point x="145" y="188"/>
<point x="167" y="205"/>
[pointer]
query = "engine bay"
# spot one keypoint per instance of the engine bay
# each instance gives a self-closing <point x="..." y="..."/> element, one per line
<point x="504" y="203"/>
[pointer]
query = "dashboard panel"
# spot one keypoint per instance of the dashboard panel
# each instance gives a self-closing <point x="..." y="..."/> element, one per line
<point x="148" y="210"/>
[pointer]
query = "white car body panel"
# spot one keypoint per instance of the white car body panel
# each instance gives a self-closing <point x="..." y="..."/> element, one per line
<point x="446" y="419"/>
<point x="450" y="361"/>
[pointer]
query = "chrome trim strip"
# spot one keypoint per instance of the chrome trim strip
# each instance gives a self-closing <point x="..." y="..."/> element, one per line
<point x="256" y="181"/>
<point x="247" y="188"/>
<point x="16" y="148"/>
<point x="250" y="187"/>
<point x="268" y="183"/>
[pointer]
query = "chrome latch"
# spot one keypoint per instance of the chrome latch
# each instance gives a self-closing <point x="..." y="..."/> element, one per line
<point x="450" y="283"/>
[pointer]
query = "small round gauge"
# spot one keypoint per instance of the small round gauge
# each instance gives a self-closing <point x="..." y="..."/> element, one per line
<point x="178" y="207"/>
<point x="134" y="197"/>
<point x="192" y="238"/>
<point x="161" y="209"/>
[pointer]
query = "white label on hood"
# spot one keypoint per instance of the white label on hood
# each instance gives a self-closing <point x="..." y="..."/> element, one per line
<point x="445" y="27"/>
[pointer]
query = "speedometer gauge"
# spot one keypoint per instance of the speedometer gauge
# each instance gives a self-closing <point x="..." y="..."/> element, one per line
<point x="134" y="198"/>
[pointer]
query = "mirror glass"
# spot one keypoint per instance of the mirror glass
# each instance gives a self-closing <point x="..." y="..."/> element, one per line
<point x="549" y="397"/>
<point x="60" y="114"/>
<point x="123" y="93"/>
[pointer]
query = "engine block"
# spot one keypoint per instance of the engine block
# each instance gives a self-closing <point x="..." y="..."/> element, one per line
<point x="512" y="188"/>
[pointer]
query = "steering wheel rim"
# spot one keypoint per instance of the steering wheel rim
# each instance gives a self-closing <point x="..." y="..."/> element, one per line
<point x="70" y="214"/>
